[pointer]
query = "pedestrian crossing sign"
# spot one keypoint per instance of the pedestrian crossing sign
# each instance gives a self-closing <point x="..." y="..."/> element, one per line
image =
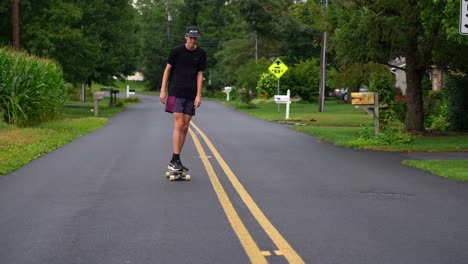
<point x="278" y="68"/>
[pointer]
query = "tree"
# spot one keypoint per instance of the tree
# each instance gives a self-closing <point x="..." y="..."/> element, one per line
<point x="381" y="31"/>
<point x="92" y="40"/>
<point x="156" y="40"/>
<point x="111" y="25"/>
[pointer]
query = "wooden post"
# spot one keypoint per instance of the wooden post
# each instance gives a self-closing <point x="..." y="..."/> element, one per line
<point x="15" y="24"/>
<point x="376" y="113"/>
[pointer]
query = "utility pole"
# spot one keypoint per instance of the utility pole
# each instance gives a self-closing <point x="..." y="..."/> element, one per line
<point x="15" y="24"/>
<point x="323" y="63"/>
<point x="256" y="47"/>
<point x="169" y="21"/>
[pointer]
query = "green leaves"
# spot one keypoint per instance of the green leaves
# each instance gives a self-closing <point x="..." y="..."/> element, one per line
<point x="31" y="88"/>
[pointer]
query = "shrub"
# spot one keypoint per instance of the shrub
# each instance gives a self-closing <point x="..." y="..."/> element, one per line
<point x="31" y="88"/>
<point x="436" y="111"/>
<point x="457" y="98"/>
<point x="383" y="83"/>
<point x="303" y="80"/>
<point x="267" y="85"/>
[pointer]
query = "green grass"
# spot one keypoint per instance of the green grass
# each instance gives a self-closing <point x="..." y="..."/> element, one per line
<point x="343" y="125"/>
<point x="140" y="87"/>
<point x="19" y="146"/>
<point x="453" y="169"/>
<point x="349" y="137"/>
<point x="79" y="109"/>
<point x="336" y="113"/>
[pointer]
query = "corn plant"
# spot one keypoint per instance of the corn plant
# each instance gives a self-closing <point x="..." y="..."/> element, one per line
<point x="31" y="88"/>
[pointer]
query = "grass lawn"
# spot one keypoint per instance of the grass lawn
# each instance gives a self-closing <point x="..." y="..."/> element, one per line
<point x="140" y="87"/>
<point x="19" y="146"/>
<point x="343" y="125"/>
<point x="453" y="169"/>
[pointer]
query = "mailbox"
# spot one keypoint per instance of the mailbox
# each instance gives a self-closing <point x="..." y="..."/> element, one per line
<point x="98" y="95"/>
<point x="281" y="99"/>
<point x="366" y="98"/>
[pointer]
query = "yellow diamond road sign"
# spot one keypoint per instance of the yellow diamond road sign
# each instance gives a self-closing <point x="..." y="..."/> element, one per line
<point x="278" y="68"/>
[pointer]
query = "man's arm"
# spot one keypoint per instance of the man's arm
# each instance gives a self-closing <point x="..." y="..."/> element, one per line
<point x="163" y="94"/>
<point x="199" y="89"/>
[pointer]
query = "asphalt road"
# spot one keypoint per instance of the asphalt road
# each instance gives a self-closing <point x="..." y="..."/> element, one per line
<point x="259" y="193"/>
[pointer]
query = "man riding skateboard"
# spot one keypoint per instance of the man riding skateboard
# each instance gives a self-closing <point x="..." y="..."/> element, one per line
<point x="183" y="78"/>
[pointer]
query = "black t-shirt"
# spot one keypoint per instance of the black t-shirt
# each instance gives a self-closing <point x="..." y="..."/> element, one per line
<point x="185" y="67"/>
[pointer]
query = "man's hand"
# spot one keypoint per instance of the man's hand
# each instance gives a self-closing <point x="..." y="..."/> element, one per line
<point x="162" y="96"/>
<point x="197" y="101"/>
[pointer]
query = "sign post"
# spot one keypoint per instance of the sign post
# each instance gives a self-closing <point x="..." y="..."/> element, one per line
<point x="278" y="68"/>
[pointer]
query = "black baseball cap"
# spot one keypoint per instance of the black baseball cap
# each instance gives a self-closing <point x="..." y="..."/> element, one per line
<point x="192" y="32"/>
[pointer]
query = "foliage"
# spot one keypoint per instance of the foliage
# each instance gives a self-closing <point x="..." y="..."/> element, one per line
<point x="93" y="40"/>
<point x="231" y="56"/>
<point x="267" y="85"/>
<point x="392" y="134"/>
<point x="248" y="76"/>
<point x="303" y="79"/>
<point x="381" y="31"/>
<point x="31" y="88"/>
<point x="436" y="111"/>
<point x="383" y="83"/>
<point x="358" y="74"/>
<point x="457" y="98"/>
<point x="156" y="41"/>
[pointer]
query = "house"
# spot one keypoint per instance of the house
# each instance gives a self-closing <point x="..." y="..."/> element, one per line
<point x="436" y="76"/>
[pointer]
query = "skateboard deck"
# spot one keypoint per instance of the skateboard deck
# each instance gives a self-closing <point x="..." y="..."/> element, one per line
<point x="177" y="176"/>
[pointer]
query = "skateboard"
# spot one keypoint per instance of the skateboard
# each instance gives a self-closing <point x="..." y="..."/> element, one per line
<point x="177" y="176"/>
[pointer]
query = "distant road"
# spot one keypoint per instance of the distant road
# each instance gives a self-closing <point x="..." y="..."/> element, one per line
<point x="260" y="193"/>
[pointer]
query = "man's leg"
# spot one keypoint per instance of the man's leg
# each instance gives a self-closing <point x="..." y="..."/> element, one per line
<point x="181" y="126"/>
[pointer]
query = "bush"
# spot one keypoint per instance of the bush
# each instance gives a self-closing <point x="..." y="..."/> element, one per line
<point x="436" y="111"/>
<point x="457" y="98"/>
<point x="31" y="88"/>
<point x="267" y="85"/>
<point x="393" y="134"/>
<point x="383" y="83"/>
<point x="303" y="80"/>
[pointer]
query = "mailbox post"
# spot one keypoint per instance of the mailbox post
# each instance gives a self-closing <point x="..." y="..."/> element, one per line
<point x="368" y="101"/>
<point x="227" y="90"/>
<point x="97" y="96"/>
<point x="284" y="99"/>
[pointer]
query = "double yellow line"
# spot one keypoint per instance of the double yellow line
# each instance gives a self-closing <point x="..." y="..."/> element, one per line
<point x="246" y="240"/>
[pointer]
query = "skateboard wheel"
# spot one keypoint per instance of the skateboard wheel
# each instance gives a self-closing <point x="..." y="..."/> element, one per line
<point x="168" y="174"/>
<point x="172" y="177"/>
<point x="187" y="177"/>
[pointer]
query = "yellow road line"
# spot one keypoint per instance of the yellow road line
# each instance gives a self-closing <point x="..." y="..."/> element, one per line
<point x="289" y="253"/>
<point x="246" y="240"/>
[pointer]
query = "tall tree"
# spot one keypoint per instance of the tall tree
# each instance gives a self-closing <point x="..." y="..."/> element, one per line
<point x="92" y="40"/>
<point x="382" y="30"/>
<point x="158" y="37"/>
<point x="112" y="24"/>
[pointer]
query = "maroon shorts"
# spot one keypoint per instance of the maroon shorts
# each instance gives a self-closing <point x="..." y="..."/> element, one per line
<point x="180" y="105"/>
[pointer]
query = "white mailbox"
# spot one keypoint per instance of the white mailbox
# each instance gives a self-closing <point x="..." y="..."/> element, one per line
<point x="284" y="99"/>
<point x="98" y="95"/>
<point x="227" y="90"/>
<point x="281" y="99"/>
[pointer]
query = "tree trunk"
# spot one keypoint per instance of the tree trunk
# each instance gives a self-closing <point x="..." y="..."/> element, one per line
<point x="414" y="121"/>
